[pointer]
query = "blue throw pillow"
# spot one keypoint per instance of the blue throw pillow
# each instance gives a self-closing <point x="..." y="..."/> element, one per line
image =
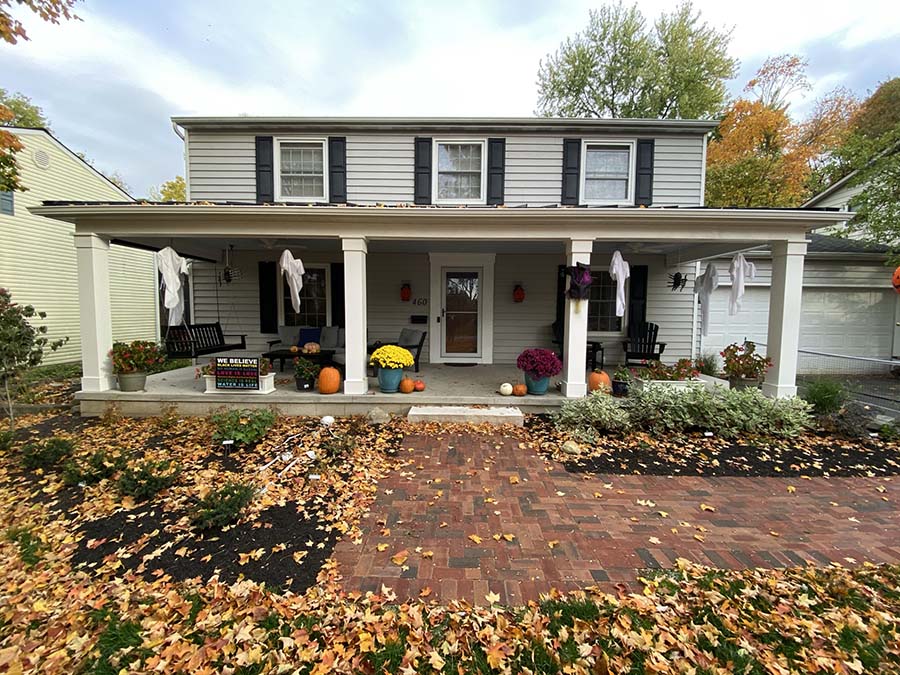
<point x="308" y="335"/>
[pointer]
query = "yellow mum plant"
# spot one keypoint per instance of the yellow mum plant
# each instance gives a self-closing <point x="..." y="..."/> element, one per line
<point x="392" y="356"/>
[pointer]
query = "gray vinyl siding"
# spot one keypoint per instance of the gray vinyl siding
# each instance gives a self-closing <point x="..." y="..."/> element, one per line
<point x="519" y="326"/>
<point x="222" y="167"/>
<point x="387" y="313"/>
<point x="533" y="170"/>
<point x="380" y="169"/>
<point x="678" y="170"/>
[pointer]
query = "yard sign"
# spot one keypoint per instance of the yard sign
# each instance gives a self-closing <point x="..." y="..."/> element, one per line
<point x="237" y="372"/>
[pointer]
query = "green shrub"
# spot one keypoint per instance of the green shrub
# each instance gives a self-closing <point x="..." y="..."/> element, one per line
<point x="660" y="409"/>
<point x="244" y="427"/>
<point x="890" y="432"/>
<point x="336" y="447"/>
<point x="596" y="414"/>
<point x="95" y="468"/>
<point x="146" y="479"/>
<point x="223" y="506"/>
<point x="6" y="439"/>
<point x="749" y="411"/>
<point x="30" y="546"/>
<point x="48" y="454"/>
<point x="709" y="364"/>
<point x="826" y="396"/>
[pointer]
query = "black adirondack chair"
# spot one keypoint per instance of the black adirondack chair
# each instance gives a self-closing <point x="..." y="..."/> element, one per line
<point x="593" y="347"/>
<point x="641" y="344"/>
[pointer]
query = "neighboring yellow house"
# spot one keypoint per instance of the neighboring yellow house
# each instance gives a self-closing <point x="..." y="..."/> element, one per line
<point x="37" y="254"/>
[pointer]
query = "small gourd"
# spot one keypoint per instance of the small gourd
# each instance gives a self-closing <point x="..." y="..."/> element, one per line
<point x="329" y="380"/>
<point x="407" y="386"/>
<point x="519" y="389"/>
<point x="506" y="389"/>
<point x="419" y="385"/>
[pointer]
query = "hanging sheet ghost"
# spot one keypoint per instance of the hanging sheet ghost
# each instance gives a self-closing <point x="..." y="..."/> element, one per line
<point x="741" y="271"/>
<point x="171" y="266"/>
<point x="704" y="285"/>
<point x="619" y="270"/>
<point x="293" y="274"/>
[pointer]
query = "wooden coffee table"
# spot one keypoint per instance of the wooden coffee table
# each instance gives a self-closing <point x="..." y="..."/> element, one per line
<point x="322" y="357"/>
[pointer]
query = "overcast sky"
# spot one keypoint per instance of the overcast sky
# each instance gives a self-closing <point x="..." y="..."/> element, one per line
<point x="110" y="82"/>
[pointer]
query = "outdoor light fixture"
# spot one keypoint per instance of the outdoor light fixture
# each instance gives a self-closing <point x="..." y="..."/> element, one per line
<point x="406" y="292"/>
<point x="518" y="293"/>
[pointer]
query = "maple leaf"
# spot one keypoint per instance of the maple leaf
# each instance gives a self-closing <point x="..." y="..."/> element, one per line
<point x="495" y="656"/>
<point x="436" y="661"/>
<point x="553" y="544"/>
<point x="513" y="480"/>
<point x="492" y="598"/>
<point x="475" y="538"/>
<point x="425" y="592"/>
<point x="707" y="507"/>
<point x="382" y="548"/>
<point x="509" y="537"/>
<point x="427" y="554"/>
<point x="791" y="489"/>
<point x="654" y="540"/>
<point x="400" y="557"/>
<point x="663" y="514"/>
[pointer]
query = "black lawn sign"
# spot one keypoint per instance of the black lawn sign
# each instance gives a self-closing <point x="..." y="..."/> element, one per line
<point x="237" y="372"/>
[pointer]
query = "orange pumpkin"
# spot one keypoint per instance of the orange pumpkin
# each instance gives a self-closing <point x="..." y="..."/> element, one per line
<point x="895" y="280"/>
<point x="294" y="349"/>
<point x="311" y="348"/>
<point x="599" y="380"/>
<point x="419" y="385"/>
<point x="519" y="389"/>
<point x="329" y="380"/>
<point x="407" y="385"/>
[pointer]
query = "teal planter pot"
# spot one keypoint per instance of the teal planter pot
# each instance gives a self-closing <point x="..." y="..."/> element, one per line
<point x="389" y="379"/>
<point x="537" y="387"/>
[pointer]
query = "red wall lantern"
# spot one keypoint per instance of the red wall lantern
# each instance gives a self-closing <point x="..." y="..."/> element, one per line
<point x="405" y="292"/>
<point x="518" y="293"/>
<point x="895" y="280"/>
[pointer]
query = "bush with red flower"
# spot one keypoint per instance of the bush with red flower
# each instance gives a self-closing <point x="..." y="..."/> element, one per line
<point x="744" y="362"/>
<point x="657" y="370"/>
<point x="539" y="363"/>
<point x="140" y="356"/>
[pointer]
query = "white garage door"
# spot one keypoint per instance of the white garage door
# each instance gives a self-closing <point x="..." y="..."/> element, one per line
<point x="840" y="321"/>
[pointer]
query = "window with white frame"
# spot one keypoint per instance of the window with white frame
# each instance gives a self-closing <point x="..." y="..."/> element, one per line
<point x="313" y="300"/>
<point x="301" y="174"/>
<point x="602" y="305"/>
<point x="459" y="177"/>
<point x="608" y="173"/>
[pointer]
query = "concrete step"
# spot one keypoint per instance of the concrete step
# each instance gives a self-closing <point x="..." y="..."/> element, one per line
<point x="466" y="414"/>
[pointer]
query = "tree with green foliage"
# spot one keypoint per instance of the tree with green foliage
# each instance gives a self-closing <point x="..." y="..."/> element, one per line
<point x="24" y="112"/>
<point x="22" y="344"/>
<point x="174" y="190"/>
<point x="618" y="67"/>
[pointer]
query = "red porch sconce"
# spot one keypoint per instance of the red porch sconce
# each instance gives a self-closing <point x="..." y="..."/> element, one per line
<point x="405" y="292"/>
<point x="518" y="293"/>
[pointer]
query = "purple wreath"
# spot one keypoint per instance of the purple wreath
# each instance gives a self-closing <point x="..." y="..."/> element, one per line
<point x="579" y="281"/>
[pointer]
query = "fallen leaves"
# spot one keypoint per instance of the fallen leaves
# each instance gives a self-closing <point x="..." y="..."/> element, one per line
<point x="400" y="557"/>
<point x="475" y="538"/>
<point x="707" y="507"/>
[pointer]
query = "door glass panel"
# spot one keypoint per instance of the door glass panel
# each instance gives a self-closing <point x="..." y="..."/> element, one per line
<point x="461" y="312"/>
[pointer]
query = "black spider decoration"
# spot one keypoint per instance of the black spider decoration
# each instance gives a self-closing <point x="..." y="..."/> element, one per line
<point x="677" y="281"/>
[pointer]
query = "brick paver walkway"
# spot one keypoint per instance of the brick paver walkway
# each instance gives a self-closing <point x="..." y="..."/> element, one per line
<point x="459" y="486"/>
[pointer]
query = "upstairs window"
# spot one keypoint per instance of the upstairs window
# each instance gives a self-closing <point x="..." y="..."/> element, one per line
<point x="460" y="174"/>
<point x="602" y="305"/>
<point x="301" y="175"/>
<point x="6" y="203"/>
<point x="608" y="173"/>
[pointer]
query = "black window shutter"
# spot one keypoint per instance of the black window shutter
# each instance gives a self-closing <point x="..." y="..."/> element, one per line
<point x="337" y="294"/>
<point x="337" y="170"/>
<point x="265" y="170"/>
<point x="422" y="193"/>
<point x="643" y="184"/>
<point x="571" y="170"/>
<point x="637" y="295"/>
<point x="268" y="296"/>
<point x="6" y="203"/>
<point x="496" y="170"/>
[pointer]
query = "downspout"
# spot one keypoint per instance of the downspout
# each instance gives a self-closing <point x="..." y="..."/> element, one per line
<point x="187" y="174"/>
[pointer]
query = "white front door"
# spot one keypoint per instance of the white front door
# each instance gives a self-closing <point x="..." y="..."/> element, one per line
<point x="462" y="318"/>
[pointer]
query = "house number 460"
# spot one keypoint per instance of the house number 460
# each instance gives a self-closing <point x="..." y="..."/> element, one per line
<point x="420" y="302"/>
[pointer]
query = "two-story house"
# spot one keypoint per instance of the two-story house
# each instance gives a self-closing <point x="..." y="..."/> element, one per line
<point x="461" y="227"/>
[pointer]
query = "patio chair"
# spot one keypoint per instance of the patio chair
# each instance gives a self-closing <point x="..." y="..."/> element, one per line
<point x="410" y="338"/>
<point x="641" y="344"/>
<point x="593" y="347"/>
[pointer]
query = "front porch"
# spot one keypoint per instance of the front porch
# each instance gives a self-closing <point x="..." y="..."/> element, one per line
<point x="445" y="385"/>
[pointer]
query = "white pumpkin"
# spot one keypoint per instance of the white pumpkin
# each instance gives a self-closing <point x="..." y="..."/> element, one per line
<point x="506" y="389"/>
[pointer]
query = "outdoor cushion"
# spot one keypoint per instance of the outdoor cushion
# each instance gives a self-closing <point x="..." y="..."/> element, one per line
<point x="309" y="335"/>
<point x="409" y="337"/>
<point x="287" y="335"/>
<point x="330" y="336"/>
<point x="341" y="335"/>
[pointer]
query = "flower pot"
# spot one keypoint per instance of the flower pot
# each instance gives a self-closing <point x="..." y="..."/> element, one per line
<point x="743" y="382"/>
<point x="132" y="381"/>
<point x="620" y="388"/>
<point x="389" y="379"/>
<point x="304" y="384"/>
<point x="536" y="386"/>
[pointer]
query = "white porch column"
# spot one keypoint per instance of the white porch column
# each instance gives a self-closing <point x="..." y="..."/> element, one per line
<point x="356" y="379"/>
<point x="576" y="326"/>
<point x="784" y="318"/>
<point x="92" y="255"/>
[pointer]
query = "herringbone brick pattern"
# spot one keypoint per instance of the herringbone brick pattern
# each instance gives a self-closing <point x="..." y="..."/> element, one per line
<point x="573" y="531"/>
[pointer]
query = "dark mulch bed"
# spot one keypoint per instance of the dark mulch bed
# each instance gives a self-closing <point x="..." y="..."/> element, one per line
<point x="273" y="539"/>
<point x="64" y="422"/>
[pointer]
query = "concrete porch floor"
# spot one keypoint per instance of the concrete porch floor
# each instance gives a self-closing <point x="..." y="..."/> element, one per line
<point x="445" y="385"/>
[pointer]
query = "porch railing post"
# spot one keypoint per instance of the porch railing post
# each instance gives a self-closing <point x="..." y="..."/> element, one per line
<point x="575" y="334"/>
<point x="356" y="379"/>
<point x="784" y="318"/>
<point x="92" y="256"/>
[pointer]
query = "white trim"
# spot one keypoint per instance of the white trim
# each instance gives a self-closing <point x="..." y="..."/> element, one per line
<point x="438" y="262"/>
<point x="276" y="168"/>
<point x="631" y="144"/>
<point x="310" y="266"/>
<point x="187" y="166"/>
<point x="696" y="333"/>
<point x="610" y="334"/>
<point x="702" y="171"/>
<point x="434" y="169"/>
